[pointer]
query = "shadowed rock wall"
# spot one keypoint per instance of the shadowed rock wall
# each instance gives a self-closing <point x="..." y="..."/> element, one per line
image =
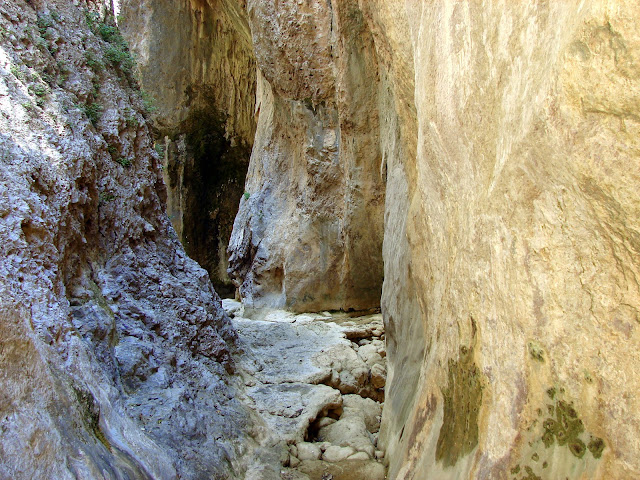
<point x="502" y="139"/>
<point x="115" y="352"/>
<point x="196" y="62"/>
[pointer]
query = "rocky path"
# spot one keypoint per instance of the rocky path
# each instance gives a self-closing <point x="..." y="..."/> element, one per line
<point x="316" y="385"/>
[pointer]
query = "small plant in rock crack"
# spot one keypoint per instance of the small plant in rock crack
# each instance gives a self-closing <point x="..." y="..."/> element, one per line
<point x="117" y="53"/>
<point x="63" y="73"/>
<point x="91" y="18"/>
<point x="148" y="102"/>
<point x="3" y="33"/>
<point x="119" y="56"/>
<point x="28" y="106"/>
<point x="106" y="197"/>
<point x="109" y="33"/>
<point x="41" y="43"/>
<point x="38" y="90"/>
<point x="93" y="62"/>
<point x="159" y="148"/>
<point x="131" y="120"/>
<point x="44" y="22"/>
<point x="16" y="72"/>
<point x="93" y="111"/>
<point x="47" y="78"/>
<point x="125" y="162"/>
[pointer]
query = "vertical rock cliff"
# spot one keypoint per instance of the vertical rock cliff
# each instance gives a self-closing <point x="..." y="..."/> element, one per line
<point x="483" y="156"/>
<point x="114" y="348"/>
<point x="197" y="63"/>
<point x="308" y="235"/>
<point x="511" y="253"/>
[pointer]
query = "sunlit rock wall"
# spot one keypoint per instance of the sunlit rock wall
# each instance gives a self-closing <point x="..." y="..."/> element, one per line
<point x="511" y="238"/>
<point x="308" y="235"/>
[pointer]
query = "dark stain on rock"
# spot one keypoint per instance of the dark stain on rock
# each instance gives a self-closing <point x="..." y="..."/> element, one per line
<point x="462" y="402"/>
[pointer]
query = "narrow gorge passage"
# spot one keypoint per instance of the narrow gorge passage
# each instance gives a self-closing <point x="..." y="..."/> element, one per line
<point x="449" y="187"/>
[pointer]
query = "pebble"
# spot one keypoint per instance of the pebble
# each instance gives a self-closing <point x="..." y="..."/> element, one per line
<point x="336" y="454"/>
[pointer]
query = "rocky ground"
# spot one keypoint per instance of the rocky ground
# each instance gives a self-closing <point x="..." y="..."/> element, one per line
<point x="316" y="383"/>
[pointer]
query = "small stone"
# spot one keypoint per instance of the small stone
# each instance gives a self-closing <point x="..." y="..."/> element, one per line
<point x="293" y="462"/>
<point x="284" y="456"/>
<point x="293" y="450"/>
<point x="378" y="376"/>
<point x="323" y="445"/>
<point x="369" y="450"/>
<point x="361" y="374"/>
<point x="359" y="456"/>
<point x="325" y="422"/>
<point x="379" y="455"/>
<point x="336" y="454"/>
<point x="309" y="451"/>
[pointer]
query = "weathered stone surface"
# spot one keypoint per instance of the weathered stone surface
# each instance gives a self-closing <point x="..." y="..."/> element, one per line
<point x="308" y="234"/>
<point x="369" y="409"/>
<point x="297" y="415"/>
<point x="344" y="470"/>
<point x="308" y="451"/>
<point x="349" y="431"/>
<point x="506" y="134"/>
<point x="335" y="453"/>
<point x="511" y="226"/>
<point x="196" y="61"/>
<point x="114" y="348"/>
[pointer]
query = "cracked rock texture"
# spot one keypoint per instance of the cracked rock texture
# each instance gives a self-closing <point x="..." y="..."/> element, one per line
<point x="309" y="425"/>
<point x="114" y="349"/>
<point x="500" y="141"/>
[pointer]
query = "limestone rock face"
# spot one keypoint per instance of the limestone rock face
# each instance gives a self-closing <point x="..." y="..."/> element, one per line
<point x="308" y="235"/>
<point x="114" y="348"/>
<point x="196" y="61"/>
<point x="511" y="238"/>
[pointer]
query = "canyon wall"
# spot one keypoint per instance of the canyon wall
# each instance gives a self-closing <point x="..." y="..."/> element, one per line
<point x="115" y="353"/>
<point x="494" y="143"/>
<point x="308" y="235"/>
<point x="196" y="62"/>
<point x="505" y="134"/>
<point x="511" y="238"/>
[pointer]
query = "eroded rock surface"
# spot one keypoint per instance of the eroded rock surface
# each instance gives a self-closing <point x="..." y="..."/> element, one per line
<point x="196" y="61"/>
<point x="311" y="425"/>
<point x="114" y="348"/>
<point x="511" y="253"/>
<point x="308" y="235"/>
<point x="501" y="138"/>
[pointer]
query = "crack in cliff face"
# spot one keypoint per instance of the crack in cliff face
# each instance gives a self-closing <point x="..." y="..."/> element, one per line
<point x="204" y="90"/>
